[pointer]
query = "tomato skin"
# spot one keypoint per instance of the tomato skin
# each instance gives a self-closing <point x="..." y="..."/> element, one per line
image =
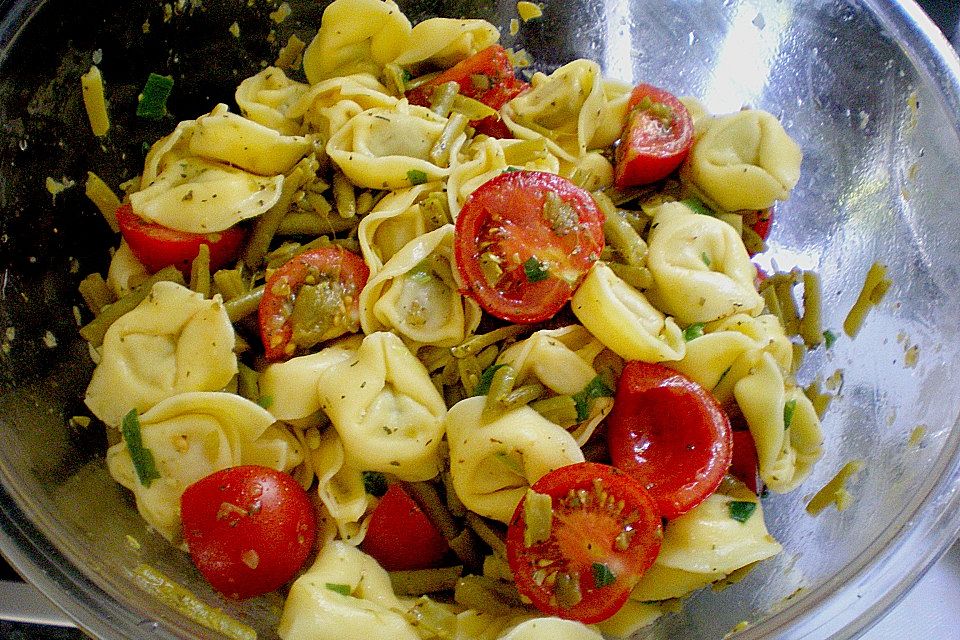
<point x="499" y="87"/>
<point x="745" y="465"/>
<point x="505" y="217"/>
<point x="583" y="537"/>
<point x="649" y="150"/>
<point x="669" y="433"/>
<point x="276" y="306"/>
<point x="156" y="246"/>
<point x="249" y="529"/>
<point x="400" y="536"/>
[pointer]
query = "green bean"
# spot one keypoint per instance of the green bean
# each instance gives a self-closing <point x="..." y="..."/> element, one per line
<point x="487" y="357"/>
<point x="561" y="410"/>
<point x="487" y="533"/>
<point x="229" y="283"/>
<point x="500" y="387"/>
<point x="317" y="203"/>
<point x="441" y="101"/>
<point x="440" y="152"/>
<point x="769" y="295"/>
<point x="242" y="306"/>
<point x="474" y="344"/>
<point x="396" y="78"/>
<point x="429" y="500"/>
<point x="520" y="153"/>
<point x="96" y="293"/>
<point x="344" y="196"/>
<point x="434" y="358"/>
<point x="486" y="595"/>
<point x="521" y="396"/>
<point x="200" y="271"/>
<point x="420" y="581"/>
<point x="469" y="373"/>
<point x="309" y="224"/>
<point x="497" y="568"/>
<point x="783" y="283"/>
<point x="811" y="328"/>
<point x="639" y="278"/>
<point x="454" y="505"/>
<point x="268" y="223"/>
<point x="464" y="545"/>
<point x="875" y="286"/>
<point x="365" y="202"/>
<point x="799" y="351"/>
<point x="94" y="331"/>
<point x="413" y="83"/>
<point x="621" y="235"/>
<point x="248" y="384"/>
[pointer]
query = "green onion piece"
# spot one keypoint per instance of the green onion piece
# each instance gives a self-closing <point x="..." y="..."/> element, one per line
<point x="152" y="103"/>
<point x="265" y="401"/>
<point x="602" y="576"/>
<point x="693" y="332"/>
<point x="483" y="386"/>
<point x="788" y="408"/>
<point x="829" y="337"/>
<point x="705" y="258"/>
<point x="537" y="518"/>
<point x="342" y="589"/>
<point x="415" y="176"/>
<point x="741" y="511"/>
<point x="143" y="462"/>
<point x="374" y="483"/>
<point x="535" y="270"/>
<point x="697" y="206"/>
<point x="596" y="388"/>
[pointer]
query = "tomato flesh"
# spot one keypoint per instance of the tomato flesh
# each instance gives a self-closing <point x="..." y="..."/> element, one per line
<point x="400" y="536"/>
<point x="156" y="246"/>
<point x="540" y="252"/>
<point x="669" y="433"/>
<point x="340" y="274"/>
<point x="745" y="464"/>
<point x="249" y="529"/>
<point x="656" y="139"/>
<point x="604" y="535"/>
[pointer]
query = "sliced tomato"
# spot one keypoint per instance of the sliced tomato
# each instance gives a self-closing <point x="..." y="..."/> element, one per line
<point x="249" y="529"/>
<point x="760" y="221"/>
<point x="669" y="433"/>
<point x="604" y="534"/>
<point x="400" y="536"/>
<point x="656" y="139"/>
<point x="335" y="276"/>
<point x="524" y="241"/>
<point x="156" y="246"/>
<point x="745" y="464"/>
<point x="488" y="77"/>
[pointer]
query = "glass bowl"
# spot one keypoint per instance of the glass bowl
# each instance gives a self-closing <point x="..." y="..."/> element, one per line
<point x="869" y="89"/>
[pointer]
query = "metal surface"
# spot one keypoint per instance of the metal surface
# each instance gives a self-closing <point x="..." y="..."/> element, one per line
<point x="877" y="174"/>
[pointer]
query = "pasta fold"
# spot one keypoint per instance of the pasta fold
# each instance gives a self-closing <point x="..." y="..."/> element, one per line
<point x="268" y="98"/>
<point x="443" y="42"/>
<point x="561" y="359"/>
<point x="396" y="220"/>
<point x="340" y="487"/>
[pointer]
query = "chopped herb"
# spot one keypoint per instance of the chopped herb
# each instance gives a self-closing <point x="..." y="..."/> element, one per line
<point x="602" y="576"/>
<point x="265" y="401"/>
<point x="483" y="385"/>
<point x="511" y="168"/>
<point x="695" y="205"/>
<point x="415" y="176"/>
<point x="829" y="337"/>
<point x="705" y="258"/>
<point x="596" y="388"/>
<point x="143" y="462"/>
<point x="374" y="483"/>
<point x="788" y="408"/>
<point x="342" y="589"/>
<point x="152" y="103"/>
<point x="741" y="511"/>
<point x="535" y="270"/>
<point x="693" y="332"/>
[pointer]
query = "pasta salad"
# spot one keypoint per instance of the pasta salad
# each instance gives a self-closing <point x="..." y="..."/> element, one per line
<point x="446" y="349"/>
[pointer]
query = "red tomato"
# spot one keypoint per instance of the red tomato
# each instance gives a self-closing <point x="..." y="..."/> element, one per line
<point x="249" y="529"/>
<point x="669" y="433"/>
<point x="656" y="139"/>
<point x="745" y="465"/>
<point x="157" y="246"/>
<point x="760" y="221"/>
<point x="340" y="273"/>
<point x="400" y="536"/>
<point x="524" y="242"/>
<point x="604" y="535"/>
<point x="486" y="76"/>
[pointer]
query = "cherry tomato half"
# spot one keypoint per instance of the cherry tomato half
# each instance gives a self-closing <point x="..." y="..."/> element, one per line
<point x="669" y="433"/>
<point x="524" y="242"/>
<point x="291" y="316"/>
<point x="745" y="466"/>
<point x="400" y="536"/>
<point x="488" y="77"/>
<point x="656" y="139"/>
<point x="605" y="532"/>
<point x="156" y="246"/>
<point x="249" y="529"/>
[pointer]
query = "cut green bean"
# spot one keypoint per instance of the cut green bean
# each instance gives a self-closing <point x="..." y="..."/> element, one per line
<point x="620" y="234"/>
<point x="433" y="506"/>
<point x="421" y="581"/>
<point x="248" y="384"/>
<point x="639" y="278"/>
<point x="440" y="152"/>
<point x="454" y="505"/>
<point x="267" y="224"/>
<point x="521" y="396"/>
<point x="309" y="224"/>
<point x="875" y="286"/>
<point x="811" y="327"/>
<point x="344" y="196"/>
<point x="500" y="386"/>
<point x="365" y="202"/>
<point x="466" y="548"/>
<point x="96" y="293"/>
<point x="561" y="410"/>
<point x="229" y="283"/>
<point x="242" y="306"/>
<point x="441" y="101"/>
<point x="200" y="271"/>
<point x="475" y="344"/>
<point x="486" y="595"/>
<point x="487" y="533"/>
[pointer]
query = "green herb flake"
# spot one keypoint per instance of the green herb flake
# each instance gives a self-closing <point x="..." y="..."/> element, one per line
<point x="695" y="205"/>
<point x="511" y="169"/>
<point x="829" y="337"/>
<point x="788" y="408"/>
<point x="374" y="483"/>
<point x="693" y="332"/>
<point x="742" y="510"/>
<point x="602" y="576"/>
<point x="152" y="103"/>
<point x="415" y="176"/>
<point x="142" y="458"/>
<point x="596" y="388"/>
<point x="535" y="270"/>
<point x="483" y="385"/>
<point x="265" y="401"/>
<point x="342" y="589"/>
<point x="706" y="259"/>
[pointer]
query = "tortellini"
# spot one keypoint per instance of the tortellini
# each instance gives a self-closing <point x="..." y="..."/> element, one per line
<point x="390" y="148"/>
<point x="624" y="320"/>
<point x="551" y="627"/>
<point x="340" y="487"/>
<point x="386" y="409"/>
<point x="396" y="220"/>
<point x="443" y="42"/>
<point x="700" y="268"/>
<point x="745" y="160"/>
<point x="175" y="341"/>
<point x="315" y="611"/>
<point x="356" y="36"/>
<point x="190" y="436"/>
<point x="417" y="294"/>
<point x="706" y="544"/>
<point x="494" y="461"/>
<point x="268" y="97"/>
<point x="327" y="106"/>
<point x="560" y="359"/>
<point x="125" y="271"/>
